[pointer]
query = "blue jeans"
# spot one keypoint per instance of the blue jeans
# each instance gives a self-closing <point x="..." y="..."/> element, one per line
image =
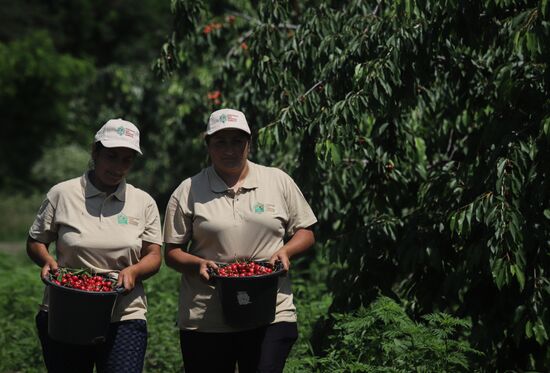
<point x="123" y="351"/>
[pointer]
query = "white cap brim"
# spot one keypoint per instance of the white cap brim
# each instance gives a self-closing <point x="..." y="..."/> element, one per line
<point x="120" y="144"/>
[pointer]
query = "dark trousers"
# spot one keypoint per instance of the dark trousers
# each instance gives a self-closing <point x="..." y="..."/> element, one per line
<point x="262" y="349"/>
<point x="123" y="351"/>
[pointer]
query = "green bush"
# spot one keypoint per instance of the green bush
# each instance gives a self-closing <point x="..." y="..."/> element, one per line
<point x="53" y="167"/>
<point x="17" y="212"/>
<point x="37" y="86"/>
<point x="312" y="300"/>
<point x="382" y="338"/>
<point x="20" y="295"/>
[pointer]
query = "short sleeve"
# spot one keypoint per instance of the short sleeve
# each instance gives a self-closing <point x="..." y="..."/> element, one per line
<point x="152" y="231"/>
<point x="178" y="219"/>
<point x="300" y="214"/>
<point x="44" y="228"/>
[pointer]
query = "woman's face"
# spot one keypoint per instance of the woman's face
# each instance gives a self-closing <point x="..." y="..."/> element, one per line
<point x="111" y="166"/>
<point x="228" y="150"/>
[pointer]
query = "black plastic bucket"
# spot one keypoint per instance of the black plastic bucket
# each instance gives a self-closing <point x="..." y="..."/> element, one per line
<point x="78" y="316"/>
<point x="249" y="301"/>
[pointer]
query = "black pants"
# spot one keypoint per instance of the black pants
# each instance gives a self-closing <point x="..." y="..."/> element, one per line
<point x="124" y="350"/>
<point x="262" y="349"/>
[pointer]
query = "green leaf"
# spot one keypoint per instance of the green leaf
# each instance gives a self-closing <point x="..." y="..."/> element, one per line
<point x="540" y="332"/>
<point x="500" y="167"/>
<point x="479" y="211"/>
<point x="469" y="213"/>
<point x="460" y="222"/>
<point x="358" y="72"/>
<point x="529" y="329"/>
<point x="420" y="146"/>
<point x="452" y="223"/>
<point x="335" y="153"/>
<point x="520" y="276"/>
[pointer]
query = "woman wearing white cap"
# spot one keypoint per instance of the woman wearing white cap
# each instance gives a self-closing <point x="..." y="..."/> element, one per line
<point x="234" y="209"/>
<point x="100" y="222"/>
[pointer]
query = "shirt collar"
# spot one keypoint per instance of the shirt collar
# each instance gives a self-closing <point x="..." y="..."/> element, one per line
<point x="217" y="185"/>
<point x="91" y="191"/>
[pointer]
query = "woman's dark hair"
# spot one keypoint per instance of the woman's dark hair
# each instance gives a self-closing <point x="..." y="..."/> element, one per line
<point x="98" y="146"/>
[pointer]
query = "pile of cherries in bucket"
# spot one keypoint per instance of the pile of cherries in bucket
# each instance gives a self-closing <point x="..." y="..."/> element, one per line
<point x="82" y="279"/>
<point x="245" y="268"/>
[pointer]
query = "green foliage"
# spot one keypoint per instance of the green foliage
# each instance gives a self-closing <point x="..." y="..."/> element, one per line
<point x="67" y="67"/>
<point x="124" y="32"/>
<point x="17" y="213"/>
<point x="420" y="130"/>
<point x="20" y="295"/>
<point x="312" y="301"/>
<point x="382" y="338"/>
<point x="53" y="166"/>
<point x="36" y="84"/>
<point x="163" y="348"/>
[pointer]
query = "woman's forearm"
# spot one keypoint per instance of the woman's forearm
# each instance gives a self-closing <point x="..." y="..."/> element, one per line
<point x="147" y="266"/>
<point x="150" y="262"/>
<point x="176" y="258"/>
<point x="38" y="252"/>
<point x="182" y="261"/>
<point x="302" y="240"/>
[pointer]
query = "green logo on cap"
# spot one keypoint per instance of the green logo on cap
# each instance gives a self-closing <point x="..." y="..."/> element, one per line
<point x="120" y="130"/>
<point x="122" y="219"/>
<point x="223" y="118"/>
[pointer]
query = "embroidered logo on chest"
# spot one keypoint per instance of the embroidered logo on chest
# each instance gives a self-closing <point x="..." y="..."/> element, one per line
<point x="125" y="220"/>
<point x="260" y="208"/>
<point x="122" y="219"/>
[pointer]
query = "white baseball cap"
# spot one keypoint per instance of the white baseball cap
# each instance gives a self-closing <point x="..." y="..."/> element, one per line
<point x="226" y="118"/>
<point x="119" y="133"/>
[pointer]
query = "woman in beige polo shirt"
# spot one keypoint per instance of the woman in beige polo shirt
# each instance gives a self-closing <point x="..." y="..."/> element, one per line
<point x="100" y="222"/>
<point x="234" y="209"/>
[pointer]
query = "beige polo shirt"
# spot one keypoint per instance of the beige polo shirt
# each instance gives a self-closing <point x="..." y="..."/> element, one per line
<point x="101" y="232"/>
<point x="222" y="226"/>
